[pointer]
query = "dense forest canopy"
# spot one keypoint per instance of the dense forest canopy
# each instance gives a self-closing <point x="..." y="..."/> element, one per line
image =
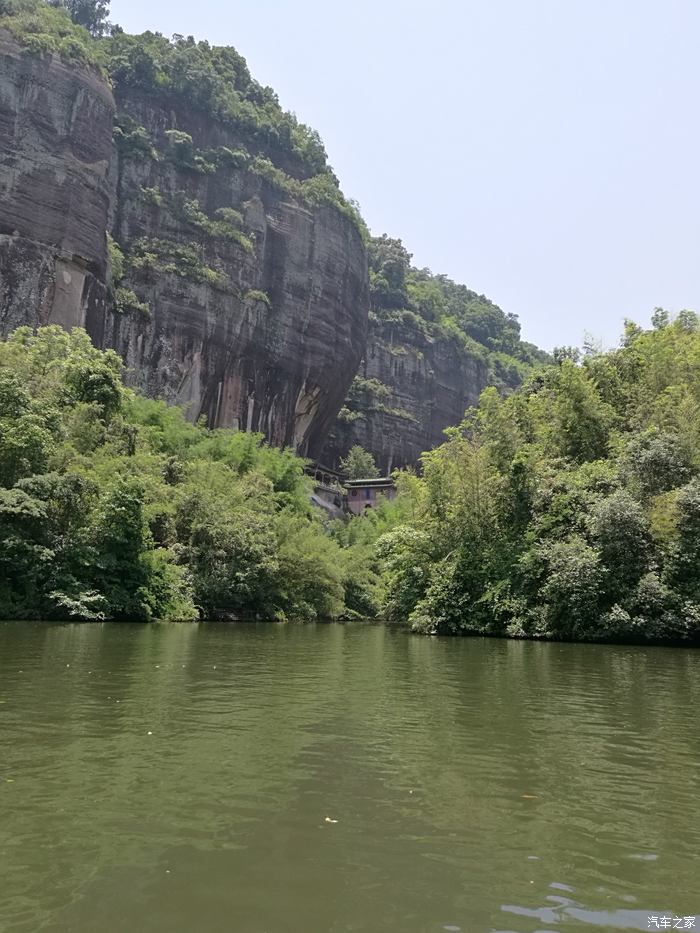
<point x="569" y="509"/>
<point x="113" y="506"/>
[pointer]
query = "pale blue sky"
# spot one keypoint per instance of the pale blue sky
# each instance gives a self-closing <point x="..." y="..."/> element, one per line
<point x="543" y="152"/>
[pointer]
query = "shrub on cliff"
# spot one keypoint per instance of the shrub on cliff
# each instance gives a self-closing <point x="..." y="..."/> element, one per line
<point x="92" y="14"/>
<point x="359" y="464"/>
<point x="41" y="27"/>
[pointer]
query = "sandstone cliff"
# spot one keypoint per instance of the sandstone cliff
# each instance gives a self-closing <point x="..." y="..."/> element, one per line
<point x="153" y="193"/>
<point x="411" y="387"/>
<point x="432" y="347"/>
<point x="55" y="149"/>
<point x="227" y="293"/>
<point x="257" y="304"/>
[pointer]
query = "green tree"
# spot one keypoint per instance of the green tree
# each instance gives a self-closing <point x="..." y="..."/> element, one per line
<point x="91" y="14"/>
<point x="581" y="419"/>
<point x="570" y="597"/>
<point x="620" y="530"/>
<point x="655" y="461"/>
<point x="230" y="553"/>
<point x="26" y="432"/>
<point x="684" y="563"/>
<point x="406" y="556"/>
<point x="359" y="464"/>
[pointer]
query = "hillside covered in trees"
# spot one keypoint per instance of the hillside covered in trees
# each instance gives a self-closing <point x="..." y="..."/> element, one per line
<point x="565" y="504"/>
<point x="113" y="506"/>
<point x="569" y="509"/>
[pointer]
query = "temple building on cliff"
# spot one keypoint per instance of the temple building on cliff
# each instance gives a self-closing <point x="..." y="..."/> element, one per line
<point x="365" y="493"/>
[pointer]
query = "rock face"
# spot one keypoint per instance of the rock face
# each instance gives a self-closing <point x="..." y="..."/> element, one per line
<point x="236" y="300"/>
<point x="258" y="305"/>
<point x="55" y="148"/>
<point x="411" y="387"/>
<point x="232" y="286"/>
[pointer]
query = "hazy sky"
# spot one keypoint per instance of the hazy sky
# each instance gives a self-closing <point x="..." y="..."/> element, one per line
<point x="543" y="152"/>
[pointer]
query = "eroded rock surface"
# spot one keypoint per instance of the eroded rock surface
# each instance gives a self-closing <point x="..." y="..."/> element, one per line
<point x="272" y="339"/>
<point x="410" y="388"/>
<point x="238" y="301"/>
<point x="55" y="148"/>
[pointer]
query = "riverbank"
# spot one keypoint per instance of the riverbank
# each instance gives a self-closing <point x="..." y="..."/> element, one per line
<point x="252" y="620"/>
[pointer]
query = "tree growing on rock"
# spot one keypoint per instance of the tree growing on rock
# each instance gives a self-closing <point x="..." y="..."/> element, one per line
<point x="92" y="14"/>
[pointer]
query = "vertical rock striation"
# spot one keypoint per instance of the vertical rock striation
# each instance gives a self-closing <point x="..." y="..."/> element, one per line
<point x="55" y="148"/>
<point x="235" y="299"/>
<point x="257" y="303"/>
<point x="410" y="388"/>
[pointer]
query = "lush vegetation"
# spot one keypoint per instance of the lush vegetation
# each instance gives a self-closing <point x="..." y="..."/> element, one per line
<point x="215" y="80"/>
<point x="113" y="506"/>
<point x="359" y="464"/>
<point x="566" y="506"/>
<point x="569" y="509"/>
<point x="414" y="301"/>
<point x="48" y="27"/>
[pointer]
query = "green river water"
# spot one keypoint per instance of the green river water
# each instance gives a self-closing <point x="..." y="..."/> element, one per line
<point x="180" y="779"/>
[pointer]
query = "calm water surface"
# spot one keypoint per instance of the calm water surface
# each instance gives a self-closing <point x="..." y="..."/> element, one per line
<point x="178" y="778"/>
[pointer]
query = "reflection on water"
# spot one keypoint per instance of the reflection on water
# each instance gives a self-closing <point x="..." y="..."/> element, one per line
<point x="189" y="778"/>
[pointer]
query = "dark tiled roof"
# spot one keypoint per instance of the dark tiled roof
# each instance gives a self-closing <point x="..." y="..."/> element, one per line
<point x="378" y="481"/>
